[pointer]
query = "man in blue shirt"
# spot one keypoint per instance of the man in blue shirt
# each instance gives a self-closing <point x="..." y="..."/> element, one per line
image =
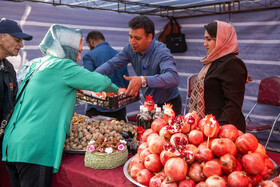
<point x="152" y="62"/>
<point x="100" y="52"/>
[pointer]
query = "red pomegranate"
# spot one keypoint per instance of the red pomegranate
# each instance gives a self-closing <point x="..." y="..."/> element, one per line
<point x="135" y="169"/>
<point x="191" y="121"/>
<point x="265" y="174"/>
<point x="238" y="179"/>
<point x="215" y="181"/>
<point x="156" y="181"/>
<point x="218" y="147"/>
<point x="201" y="124"/>
<point x="260" y="149"/>
<point x="179" y="140"/>
<point x="231" y="147"/>
<point x="203" y="155"/>
<point x="253" y="163"/>
<point x="269" y="165"/>
<point x="212" y="168"/>
<point x="143" y="154"/>
<point x="146" y="134"/>
<point x="168" y="183"/>
<point x="142" y="146"/>
<point x="151" y="136"/>
<point x="195" y="172"/>
<point x="196" y="137"/>
<point x="175" y="124"/>
<point x="228" y="131"/>
<point x="144" y="176"/>
<point x="163" y="157"/>
<point x="187" y="183"/>
<point x="157" y="124"/>
<point x="211" y="127"/>
<point x="201" y="184"/>
<point x="276" y="180"/>
<point x="254" y="179"/>
<point x="246" y="142"/>
<point x="152" y="163"/>
<point x="156" y="144"/>
<point x="134" y="160"/>
<point x="164" y="133"/>
<point x="176" y="169"/>
<point x="228" y="163"/>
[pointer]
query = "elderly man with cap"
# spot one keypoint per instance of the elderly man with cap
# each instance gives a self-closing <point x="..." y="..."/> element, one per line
<point x="11" y="37"/>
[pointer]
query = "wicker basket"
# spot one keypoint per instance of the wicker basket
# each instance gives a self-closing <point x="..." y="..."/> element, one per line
<point x="97" y="160"/>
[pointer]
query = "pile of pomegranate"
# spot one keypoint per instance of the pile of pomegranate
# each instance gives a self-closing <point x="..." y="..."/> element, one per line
<point x="189" y="151"/>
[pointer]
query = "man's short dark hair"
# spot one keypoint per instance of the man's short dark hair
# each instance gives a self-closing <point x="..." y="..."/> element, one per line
<point x="95" y="35"/>
<point x="142" y="22"/>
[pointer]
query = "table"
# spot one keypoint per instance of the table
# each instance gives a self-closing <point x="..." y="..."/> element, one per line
<point x="73" y="173"/>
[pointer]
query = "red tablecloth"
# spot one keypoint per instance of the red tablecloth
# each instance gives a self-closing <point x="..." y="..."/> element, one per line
<point x="73" y="173"/>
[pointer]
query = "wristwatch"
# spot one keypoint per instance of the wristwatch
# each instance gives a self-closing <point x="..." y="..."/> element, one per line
<point x="143" y="82"/>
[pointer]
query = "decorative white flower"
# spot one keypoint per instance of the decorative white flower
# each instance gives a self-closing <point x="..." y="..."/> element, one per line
<point x="91" y="148"/>
<point x="109" y="150"/>
<point x="91" y="142"/>
<point x="123" y="141"/>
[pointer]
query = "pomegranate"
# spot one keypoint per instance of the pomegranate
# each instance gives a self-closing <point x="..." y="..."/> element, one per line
<point x="203" y="155"/>
<point x="206" y="144"/>
<point x="201" y="124"/>
<point x="268" y="184"/>
<point x="239" y="166"/>
<point x="156" y="181"/>
<point x="187" y="183"/>
<point x="269" y="165"/>
<point x="260" y="149"/>
<point x="144" y="176"/>
<point x="276" y="180"/>
<point x="157" y="124"/>
<point x="231" y="147"/>
<point x="142" y="146"/>
<point x="168" y="183"/>
<point x="196" y="137"/>
<point x="175" y="124"/>
<point x="195" y="172"/>
<point x="211" y="168"/>
<point x="265" y="174"/>
<point x="143" y="154"/>
<point x="188" y="156"/>
<point x="164" y="133"/>
<point x="240" y="133"/>
<point x="156" y="144"/>
<point x="176" y="169"/>
<point x="211" y="127"/>
<point x="146" y="134"/>
<point x="238" y="179"/>
<point x="151" y="136"/>
<point x="152" y="163"/>
<point x="163" y="157"/>
<point x="200" y="184"/>
<point x="179" y="141"/>
<point x="134" y="160"/>
<point x="215" y="181"/>
<point x="253" y="163"/>
<point x="246" y="142"/>
<point x="135" y="169"/>
<point x="254" y="179"/>
<point x="228" y="131"/>
<point x="191" y="147"/>
<point x="191" y="121"/>
<point x="218" y="147"/>
<point x="228" y="163"/>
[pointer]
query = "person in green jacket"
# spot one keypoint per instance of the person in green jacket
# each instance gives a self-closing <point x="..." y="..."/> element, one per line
<point x="35" y="135"/>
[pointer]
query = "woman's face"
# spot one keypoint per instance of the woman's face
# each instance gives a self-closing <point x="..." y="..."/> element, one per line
<point x="80" y="49"/>
<point x="209" y="43"/>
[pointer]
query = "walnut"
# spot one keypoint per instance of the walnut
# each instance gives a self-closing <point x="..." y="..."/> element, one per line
<point x="88" y="136"/>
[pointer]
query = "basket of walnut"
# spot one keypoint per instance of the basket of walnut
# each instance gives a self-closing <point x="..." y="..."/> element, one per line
<point x="106" y="153"/>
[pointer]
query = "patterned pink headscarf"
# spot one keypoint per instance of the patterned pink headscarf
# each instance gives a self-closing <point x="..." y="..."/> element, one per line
<point x="226" y="43"/>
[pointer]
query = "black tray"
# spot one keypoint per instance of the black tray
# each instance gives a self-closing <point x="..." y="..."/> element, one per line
<point x="112" y="103"/>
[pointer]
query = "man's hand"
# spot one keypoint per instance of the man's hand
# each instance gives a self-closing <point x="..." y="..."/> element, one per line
<point x="134" y="85"/>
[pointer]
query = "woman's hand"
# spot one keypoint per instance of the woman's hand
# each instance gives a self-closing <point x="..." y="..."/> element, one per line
<point x="134" y="85"/>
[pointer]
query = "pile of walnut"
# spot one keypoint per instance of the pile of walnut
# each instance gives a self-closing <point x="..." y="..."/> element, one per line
<point x="83" y="131"/>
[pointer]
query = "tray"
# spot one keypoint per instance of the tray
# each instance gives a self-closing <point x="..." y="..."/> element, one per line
<point x="81" y="152"/>
<point x="112" y="103"/>
<point x="125" y="168"/>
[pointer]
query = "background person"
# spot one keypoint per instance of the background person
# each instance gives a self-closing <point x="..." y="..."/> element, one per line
<point x="222" y="78"/>
<point x="34" y="138"/>
<point x="11" y="37"/>
<point x="100" y="52"/>
<point x="152" y="62"/>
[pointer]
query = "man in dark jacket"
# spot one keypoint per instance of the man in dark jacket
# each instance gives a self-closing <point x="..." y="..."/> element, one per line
<point x="11" y="37"/>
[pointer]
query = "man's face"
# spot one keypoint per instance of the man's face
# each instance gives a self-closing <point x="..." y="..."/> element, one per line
<point x="138" y="40"/>
<point x="80" y="49"/>
<point x="10" y="45"/>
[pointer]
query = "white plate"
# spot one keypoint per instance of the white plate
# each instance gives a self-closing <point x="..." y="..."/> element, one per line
<point x="125" y="168"/>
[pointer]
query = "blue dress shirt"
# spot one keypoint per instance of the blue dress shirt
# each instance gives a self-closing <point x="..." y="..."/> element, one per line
<point x="156" y="63"/>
